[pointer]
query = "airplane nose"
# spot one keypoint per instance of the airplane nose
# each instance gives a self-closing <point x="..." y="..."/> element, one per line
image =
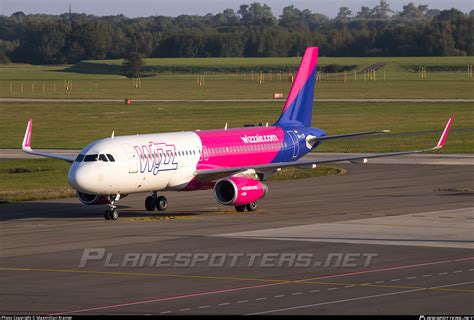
<point x="80" y="178"/>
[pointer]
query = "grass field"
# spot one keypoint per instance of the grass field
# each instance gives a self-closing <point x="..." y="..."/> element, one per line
<point x="231" y="65"/>
<point x="36" y="179"/>
<point x="187" y="88"/>
<point x="399" y="78"/>
<point x="17" y="71"/>
<point x="66" y="125"/>
<point x="296" y="173"/>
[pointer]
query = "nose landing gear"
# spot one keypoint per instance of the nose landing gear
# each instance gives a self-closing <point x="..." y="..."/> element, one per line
<point x="154" y="201"/>
<point x="111" y="212"/>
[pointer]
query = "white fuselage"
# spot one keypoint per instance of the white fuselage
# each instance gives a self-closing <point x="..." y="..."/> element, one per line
<point x="164" y="161"/>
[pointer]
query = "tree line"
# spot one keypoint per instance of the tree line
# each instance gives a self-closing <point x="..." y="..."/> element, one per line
<point x="252" y="31"/>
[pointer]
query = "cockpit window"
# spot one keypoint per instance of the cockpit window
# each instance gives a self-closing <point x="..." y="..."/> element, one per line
<point x="90" y="157"/>
<point x="95" y="157"/>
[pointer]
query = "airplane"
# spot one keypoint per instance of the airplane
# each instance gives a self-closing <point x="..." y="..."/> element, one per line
<point x="233" y="162"/>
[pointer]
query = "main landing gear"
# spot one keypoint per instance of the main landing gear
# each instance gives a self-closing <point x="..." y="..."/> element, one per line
<point x="252" y="206"/>
<point x="111" y="212"/>
<point x="156" y="202"/>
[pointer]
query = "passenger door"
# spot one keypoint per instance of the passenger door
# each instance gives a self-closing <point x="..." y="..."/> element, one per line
<point x="132" y="158"/>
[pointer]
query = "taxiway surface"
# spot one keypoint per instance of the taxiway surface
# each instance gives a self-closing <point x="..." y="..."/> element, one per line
<point x="415" y="221"/>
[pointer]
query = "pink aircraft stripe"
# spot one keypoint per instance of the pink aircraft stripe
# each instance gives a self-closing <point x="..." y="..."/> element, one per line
<point x="235" y="138"/>
<point x="310" y="59"/>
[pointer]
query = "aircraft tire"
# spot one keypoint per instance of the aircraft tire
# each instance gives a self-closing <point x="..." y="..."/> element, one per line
<point x="161" y="203"/>
<point x="150" y="203"/>
<point x="252" y="206"/>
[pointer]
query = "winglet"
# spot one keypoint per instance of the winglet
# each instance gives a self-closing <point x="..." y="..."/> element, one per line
<point x="27" y="139"/>
<point x="444" y="136"/>
<point x="26" y="146"/>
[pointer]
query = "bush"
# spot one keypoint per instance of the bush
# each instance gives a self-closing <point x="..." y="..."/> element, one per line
<point x="133" y="65"/>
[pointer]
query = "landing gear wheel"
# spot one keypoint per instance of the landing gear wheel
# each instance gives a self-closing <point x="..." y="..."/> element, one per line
<point x="111" y="212"/>
<point x="161" y="203"/>
<point x="240" y="208"/>
<point x="150" y="203"/>
<point x="114" y="214"/>
<point x="252" y="206"/>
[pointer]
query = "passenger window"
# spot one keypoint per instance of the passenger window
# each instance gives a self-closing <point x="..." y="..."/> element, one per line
<point x="111" y="159"/>
<point x="90" y="157"/>
<point x="102" y="157"/>
<point x="79" y="158"/>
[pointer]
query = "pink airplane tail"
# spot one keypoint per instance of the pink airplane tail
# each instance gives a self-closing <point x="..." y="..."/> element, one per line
<point x="298" y="108"/>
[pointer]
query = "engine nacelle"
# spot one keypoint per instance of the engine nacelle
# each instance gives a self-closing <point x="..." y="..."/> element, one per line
<point x="92" y="199"/>
<point x="239" y="191"/>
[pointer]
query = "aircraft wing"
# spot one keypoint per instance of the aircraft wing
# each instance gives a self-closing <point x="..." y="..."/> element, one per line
<point x="215" y="174"/>
<point x="346" y="135"/>
<point x="26" y="146"/>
